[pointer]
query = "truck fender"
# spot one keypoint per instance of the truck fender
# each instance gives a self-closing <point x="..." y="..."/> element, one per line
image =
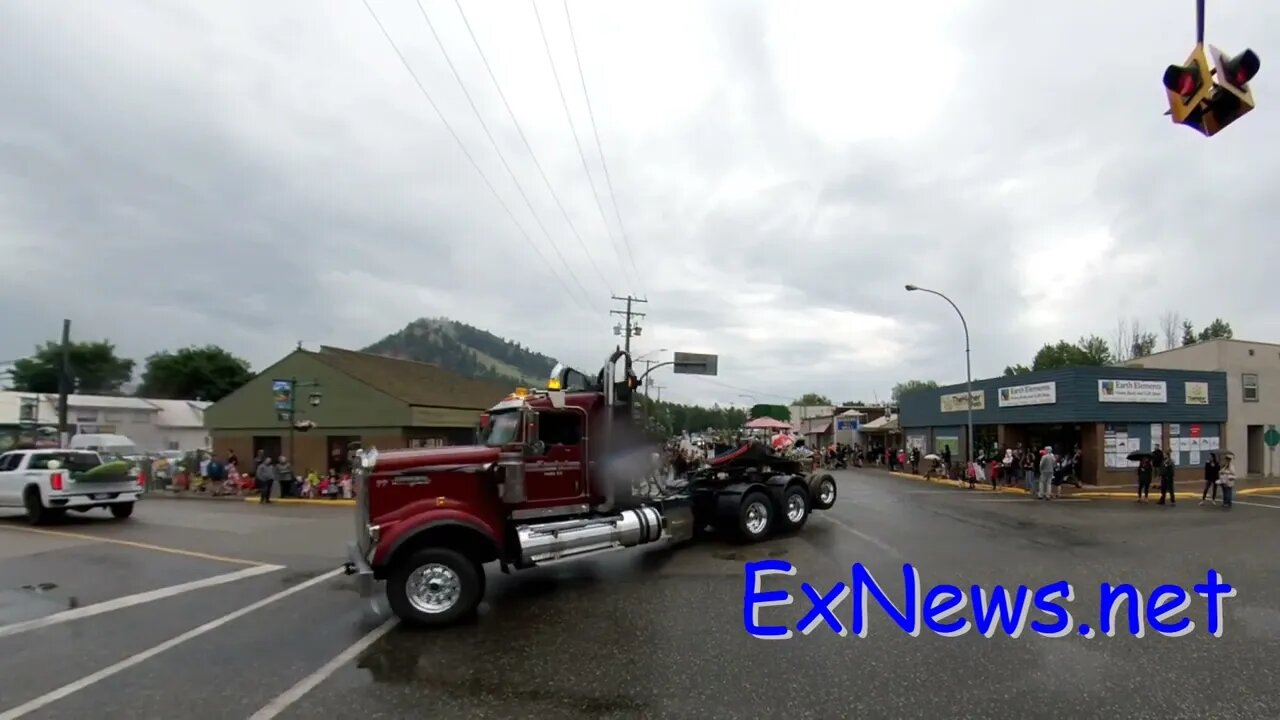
<point x="778" y="484"/>
<point x="457" y="533"/>
<point x="729" y="497"/>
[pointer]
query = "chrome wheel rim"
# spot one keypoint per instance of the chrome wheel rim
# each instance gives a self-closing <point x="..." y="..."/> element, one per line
<point x="795" y="508"/>
<point x="757" y="518"/>
<point x="433" y="588"/>
<point x="827" y="492"/>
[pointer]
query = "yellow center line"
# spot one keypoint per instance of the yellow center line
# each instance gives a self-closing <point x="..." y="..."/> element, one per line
<point x="132" y="544"/>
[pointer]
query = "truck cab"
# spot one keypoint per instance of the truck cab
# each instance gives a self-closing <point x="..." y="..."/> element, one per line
<point x="558" y="473"/>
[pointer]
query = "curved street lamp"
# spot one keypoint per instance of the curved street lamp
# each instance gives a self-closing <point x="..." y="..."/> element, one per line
<point x="968" y="374"/>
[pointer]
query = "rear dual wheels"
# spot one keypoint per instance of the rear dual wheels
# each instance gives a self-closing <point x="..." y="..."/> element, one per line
<point x="436" y="587"/>
<point x="759" y="515"/>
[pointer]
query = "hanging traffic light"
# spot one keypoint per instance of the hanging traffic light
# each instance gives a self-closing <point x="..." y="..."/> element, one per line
<point x="1188" y="87"/>
<point x="1231" y="98"/>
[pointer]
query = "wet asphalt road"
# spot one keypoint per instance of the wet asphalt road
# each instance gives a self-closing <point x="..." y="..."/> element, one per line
<point x="635" y="634"/>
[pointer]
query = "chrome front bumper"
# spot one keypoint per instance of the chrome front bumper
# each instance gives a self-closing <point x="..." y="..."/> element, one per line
<point x="357" y="565"/>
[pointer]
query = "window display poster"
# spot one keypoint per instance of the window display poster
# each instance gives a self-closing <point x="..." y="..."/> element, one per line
<point x="1109" y="448"/>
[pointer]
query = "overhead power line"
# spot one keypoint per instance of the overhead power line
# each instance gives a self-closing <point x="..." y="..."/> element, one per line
<point x="497" y="149"/>
<point x="520" y="130"/>
<point x="462" y="146"/>
<point x="748" y="391"/>
<point x="600" y="148"/>
<point x="573" y="127"/>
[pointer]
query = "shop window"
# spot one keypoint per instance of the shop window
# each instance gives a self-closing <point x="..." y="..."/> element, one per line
<point x="1249" y="382"/>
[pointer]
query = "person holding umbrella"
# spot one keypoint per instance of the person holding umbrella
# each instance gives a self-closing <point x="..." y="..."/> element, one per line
<point x="1145" y="471"/>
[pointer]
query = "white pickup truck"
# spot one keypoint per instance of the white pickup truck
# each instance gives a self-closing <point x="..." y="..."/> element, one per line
<point x="48" y="483"/>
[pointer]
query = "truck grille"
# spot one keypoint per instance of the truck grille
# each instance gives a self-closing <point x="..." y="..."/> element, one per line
<point x="361" y="479"/>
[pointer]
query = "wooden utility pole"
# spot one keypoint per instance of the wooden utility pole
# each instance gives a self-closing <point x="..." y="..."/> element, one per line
<point x="629" y="329"/>
<point x="64" y="384"/>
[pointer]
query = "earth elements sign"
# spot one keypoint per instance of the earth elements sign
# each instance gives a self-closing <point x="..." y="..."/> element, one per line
<point x="1037" y="394"/>
<point x="955" y="401"/>
<point x="1132" y="391"/>
<point x="1197" y="393"/>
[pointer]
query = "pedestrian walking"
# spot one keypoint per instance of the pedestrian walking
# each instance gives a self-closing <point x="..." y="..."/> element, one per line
<point x="1166" y="481"/>
<point x="265" y="474"/>
<point x="1145" y="471"/>
<point x="1047" y="462"/>
<point x="1212" y="473"/>
<point x="1227" y="479"/>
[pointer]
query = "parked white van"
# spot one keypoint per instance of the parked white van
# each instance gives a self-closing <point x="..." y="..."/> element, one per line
<point x="104" y="443"/>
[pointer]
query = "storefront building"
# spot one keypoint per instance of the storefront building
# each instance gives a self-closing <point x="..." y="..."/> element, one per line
<point x="343" y="397"/>
<point x="1108" y="412"/>
<point x="1253" y="405"/>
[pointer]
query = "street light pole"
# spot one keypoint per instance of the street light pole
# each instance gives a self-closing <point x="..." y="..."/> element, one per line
<point x="968" y="371"/>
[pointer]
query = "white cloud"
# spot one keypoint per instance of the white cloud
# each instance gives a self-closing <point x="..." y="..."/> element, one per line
<point x="257" y="174"/>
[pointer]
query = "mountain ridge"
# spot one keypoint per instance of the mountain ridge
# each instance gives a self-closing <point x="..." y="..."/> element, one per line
<point x="466" y="350"/>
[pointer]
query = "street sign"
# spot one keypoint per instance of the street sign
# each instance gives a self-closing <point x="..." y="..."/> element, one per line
<point x="1271" y="436"/>
<point x="695" y="364"/>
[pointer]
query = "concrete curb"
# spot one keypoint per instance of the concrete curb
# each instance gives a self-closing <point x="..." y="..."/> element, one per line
<point x="307" y="501"/>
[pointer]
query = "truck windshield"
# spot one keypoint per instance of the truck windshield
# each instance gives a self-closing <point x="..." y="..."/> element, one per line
<point x="504" y="428"/>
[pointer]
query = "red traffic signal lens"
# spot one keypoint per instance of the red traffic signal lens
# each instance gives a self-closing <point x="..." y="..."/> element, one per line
<point x="1182" y="80"/>
<point x="1243" y="67"/>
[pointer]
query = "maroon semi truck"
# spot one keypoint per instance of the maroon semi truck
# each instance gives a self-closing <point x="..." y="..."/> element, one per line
<point x="558" y="474"/>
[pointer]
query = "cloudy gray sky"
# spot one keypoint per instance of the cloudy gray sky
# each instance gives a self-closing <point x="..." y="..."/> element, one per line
<point x="253" y="174"/>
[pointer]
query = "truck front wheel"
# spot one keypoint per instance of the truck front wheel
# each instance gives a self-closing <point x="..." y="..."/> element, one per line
<point x="435" y="587"/>
<point x="755" y="517"/>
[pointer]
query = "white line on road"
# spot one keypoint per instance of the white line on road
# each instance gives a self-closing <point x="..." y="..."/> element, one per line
<point x="309" y="683"/>
<point x="88" y="680"/>
<point x="130" y="600"/>
<point x="1254" y="504"/>
<point x="855" y="532"/>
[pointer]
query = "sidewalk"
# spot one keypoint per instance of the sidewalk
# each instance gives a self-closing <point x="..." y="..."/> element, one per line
<point x="1255" y="486"/>
<point x="250" y="497"/>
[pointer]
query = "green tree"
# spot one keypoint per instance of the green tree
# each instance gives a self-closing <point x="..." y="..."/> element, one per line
<point x="1143" y="344"/>
<point x="910" y="386"/>
<point x="94" y="369"/>
<point x="777" y="412"/>
<point x="1011" y="370"/>
<point x="812" y="399"/>
<point x="1188" y="333"/>
<point x="1218" y="329"/>
<point x="204" y="373"/>
<point x="1088" y="351"/>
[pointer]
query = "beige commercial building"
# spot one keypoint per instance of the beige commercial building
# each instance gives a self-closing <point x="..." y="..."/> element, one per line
<point x="1253" y="393"/>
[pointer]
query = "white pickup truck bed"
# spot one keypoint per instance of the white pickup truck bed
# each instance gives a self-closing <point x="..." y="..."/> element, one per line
<point x="43" y="482"/>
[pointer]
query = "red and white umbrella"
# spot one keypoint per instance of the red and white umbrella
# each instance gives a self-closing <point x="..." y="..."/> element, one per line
<point x="767" y="423"/>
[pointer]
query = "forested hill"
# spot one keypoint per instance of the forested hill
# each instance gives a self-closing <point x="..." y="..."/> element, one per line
<point x="466" y="350"/>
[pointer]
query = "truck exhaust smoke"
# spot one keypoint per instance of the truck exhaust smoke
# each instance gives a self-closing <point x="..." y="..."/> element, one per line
<point x="628" y="460"/>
